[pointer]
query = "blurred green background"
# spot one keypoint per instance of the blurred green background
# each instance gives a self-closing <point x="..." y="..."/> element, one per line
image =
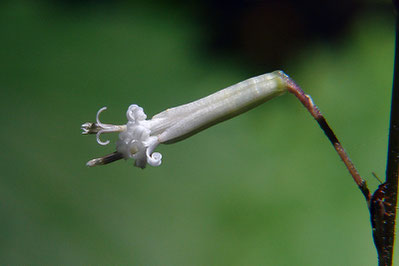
<point x="265" y="188"/>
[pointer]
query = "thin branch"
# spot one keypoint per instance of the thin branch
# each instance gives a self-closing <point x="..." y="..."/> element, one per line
<point x="307" y="101"/>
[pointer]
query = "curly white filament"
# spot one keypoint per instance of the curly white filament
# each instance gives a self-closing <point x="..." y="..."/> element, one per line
<point x="99" y="128"/>
<point x="103" y="126"/>
<point x="139" y="137"/>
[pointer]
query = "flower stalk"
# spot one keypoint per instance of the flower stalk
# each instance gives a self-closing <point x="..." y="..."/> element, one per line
<point x="307" y="101"/>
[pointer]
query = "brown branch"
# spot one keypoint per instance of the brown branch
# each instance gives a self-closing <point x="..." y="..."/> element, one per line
<point x="315" y="112"/>
<point x="384" y="200"/>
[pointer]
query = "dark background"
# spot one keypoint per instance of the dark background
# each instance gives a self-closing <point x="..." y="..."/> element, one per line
<point x="265" y="188"/>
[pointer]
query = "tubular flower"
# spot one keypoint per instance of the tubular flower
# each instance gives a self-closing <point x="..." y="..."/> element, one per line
<point x="139" y="137"/>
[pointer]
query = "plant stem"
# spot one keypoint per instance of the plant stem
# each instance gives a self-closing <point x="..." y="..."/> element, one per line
<point x="385" y="198"/>
<point x="315" y="112"/>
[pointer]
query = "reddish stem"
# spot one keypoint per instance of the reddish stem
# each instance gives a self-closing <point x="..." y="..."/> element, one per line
<point x="315" y="112"/>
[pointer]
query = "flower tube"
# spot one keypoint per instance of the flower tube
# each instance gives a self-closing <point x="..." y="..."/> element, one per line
<point x="139" y="137"/>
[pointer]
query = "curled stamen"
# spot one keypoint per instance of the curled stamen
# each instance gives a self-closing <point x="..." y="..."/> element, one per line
<point x="98" y="128"/>
<point x="98" y="117"/>
<point x="99" y="141"/>
<point x="101" y="125"/>
<point x="153" y="158"/>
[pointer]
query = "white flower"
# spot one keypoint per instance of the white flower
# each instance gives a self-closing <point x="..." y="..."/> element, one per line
<point x="136" y="141"/>
<point x="139" y="137"/>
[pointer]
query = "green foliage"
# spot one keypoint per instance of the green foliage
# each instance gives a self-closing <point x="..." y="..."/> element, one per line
<point x="265" y="188"/>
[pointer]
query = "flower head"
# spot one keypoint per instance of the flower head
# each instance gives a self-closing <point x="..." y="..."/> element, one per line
<point x="139" y="137"/>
